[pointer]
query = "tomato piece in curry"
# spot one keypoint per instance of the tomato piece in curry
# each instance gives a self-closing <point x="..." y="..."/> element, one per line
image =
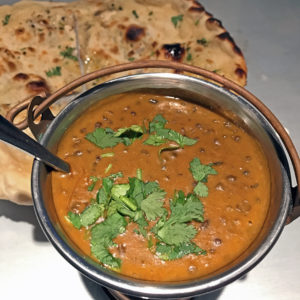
<point x="238" y="195"/>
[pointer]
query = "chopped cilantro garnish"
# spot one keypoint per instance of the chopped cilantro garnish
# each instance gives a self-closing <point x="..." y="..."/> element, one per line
<point x="87" y="217"/>
<point x="155" y="140"/>
<point x="56" y="71"/>
<point x="94" y="179"/>
<point x="108" y="168"/>
<point x="119" y="190"/>
<point x="175" y="230"/>
<point x="176" y="19"/>
<point x="104" y="193"/>
<point x="201" y="189"/>
<point x="176" y="233"/>
<point x="158" y="122"/>
<point x="139" y="174"/>
<point x="68" y="53"/>
<point x="152" y="205"/>
<point x="150" y="242"/>
<point x="102" y="236"/>
<point x="200" y="173"/>
<point x="6" y="20"/>
<point x="103" y="138"/>
<point x="167" y="252"/>
<point x="160" y="134"/>
<point x="168" y="148"/>
<point x="173" y="135"/>
<point x="129" y="134"/>
<point x="197" y="22"/>
<point x="109" y="154"/>
<point x="189" y="56"/>
<point x="91" y="214"/>
<point x="74" y="219"/>
<point x="143" y="202"/>
<point x="150" y="13"/>
<point x="131" y="58"/>
<point x="135" y="14"/>
<point x="115" y="175"/>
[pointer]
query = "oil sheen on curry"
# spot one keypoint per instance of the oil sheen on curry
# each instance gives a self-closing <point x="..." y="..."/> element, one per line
<point x="160" y="189"/>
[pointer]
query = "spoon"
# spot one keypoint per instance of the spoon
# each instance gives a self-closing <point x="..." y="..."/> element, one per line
<point x="14" y="136"/>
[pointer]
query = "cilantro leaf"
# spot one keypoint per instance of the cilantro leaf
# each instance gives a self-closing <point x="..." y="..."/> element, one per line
<point x="103" y="195"/>
<point x="119" y="190"/>
<point x="201" y="189"/>
<point x="167" y="148"/>
<point x="160" y="223"/>
<point x="115" y="175"/>
<point x="168" y="252"/>
<point x="150" y="187"/>
<point x="172" y="135"/>
<point x="176" y="19"/>
<point x="103" y="138"/>
<point x="203" y="42"/>
<point x="152" y="205"/>
<point x="175" y="230"/>
<point x="155" y="140"/>
<point x="139" y="218"/>
<point x="94" y="179"/>
<point x="6" y="20"/>
<point x="109" y="154"/>
<point x="90" y="215"/>
<point x="74" y="219"/>
<point x="68" y="53"/>
<point x="136" y="190"/>
<point x="178" y="197"/>
<point x="129" y="134"/>
<point x="186" y="209"/>
<point x="176" y="233"/>
<point x="56" y="71"/>
<point x="158" y="122"/>
<point x="139" y="174"/>
<point x="102" y="236"/>
<point x="118" y="193"/>
<point x="135" y="14"/>
<point x="200" y="171"/>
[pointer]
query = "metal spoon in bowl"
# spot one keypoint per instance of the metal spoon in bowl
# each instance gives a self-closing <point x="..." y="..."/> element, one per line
<point x="14" y="136"/>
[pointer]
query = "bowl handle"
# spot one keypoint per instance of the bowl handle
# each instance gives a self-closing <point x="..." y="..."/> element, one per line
<point x="179" y="67"/>
<point x="39" y="128"/>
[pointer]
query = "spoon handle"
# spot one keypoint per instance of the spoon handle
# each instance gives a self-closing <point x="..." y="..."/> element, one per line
<point x="14" y="136"/>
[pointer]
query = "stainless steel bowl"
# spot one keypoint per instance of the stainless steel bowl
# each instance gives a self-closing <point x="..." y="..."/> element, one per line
<point x="198" y="91"/>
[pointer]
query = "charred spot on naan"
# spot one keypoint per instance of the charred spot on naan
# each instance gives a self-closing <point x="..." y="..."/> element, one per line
<point x="37" y="86"/>
<point x="196" y="7"/>
<point x="134" y="33"/>
<point x="21" y="77"/>
<point x="173" y="52"/>
<point x="34" y="84"/>
<point x="226" y="36"/>
<point x="240" y="73"/>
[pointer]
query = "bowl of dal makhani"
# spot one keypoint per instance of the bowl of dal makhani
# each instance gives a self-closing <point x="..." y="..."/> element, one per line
<point x="177" y="187"/>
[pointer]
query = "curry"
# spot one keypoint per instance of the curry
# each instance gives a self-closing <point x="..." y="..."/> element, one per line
<point x="160" y="188"/>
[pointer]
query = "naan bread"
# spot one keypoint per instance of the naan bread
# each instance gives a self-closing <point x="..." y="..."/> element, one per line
<point x="45" y="45"/>
<point x="120" y="31"/>
<point x="34" y="48"/>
